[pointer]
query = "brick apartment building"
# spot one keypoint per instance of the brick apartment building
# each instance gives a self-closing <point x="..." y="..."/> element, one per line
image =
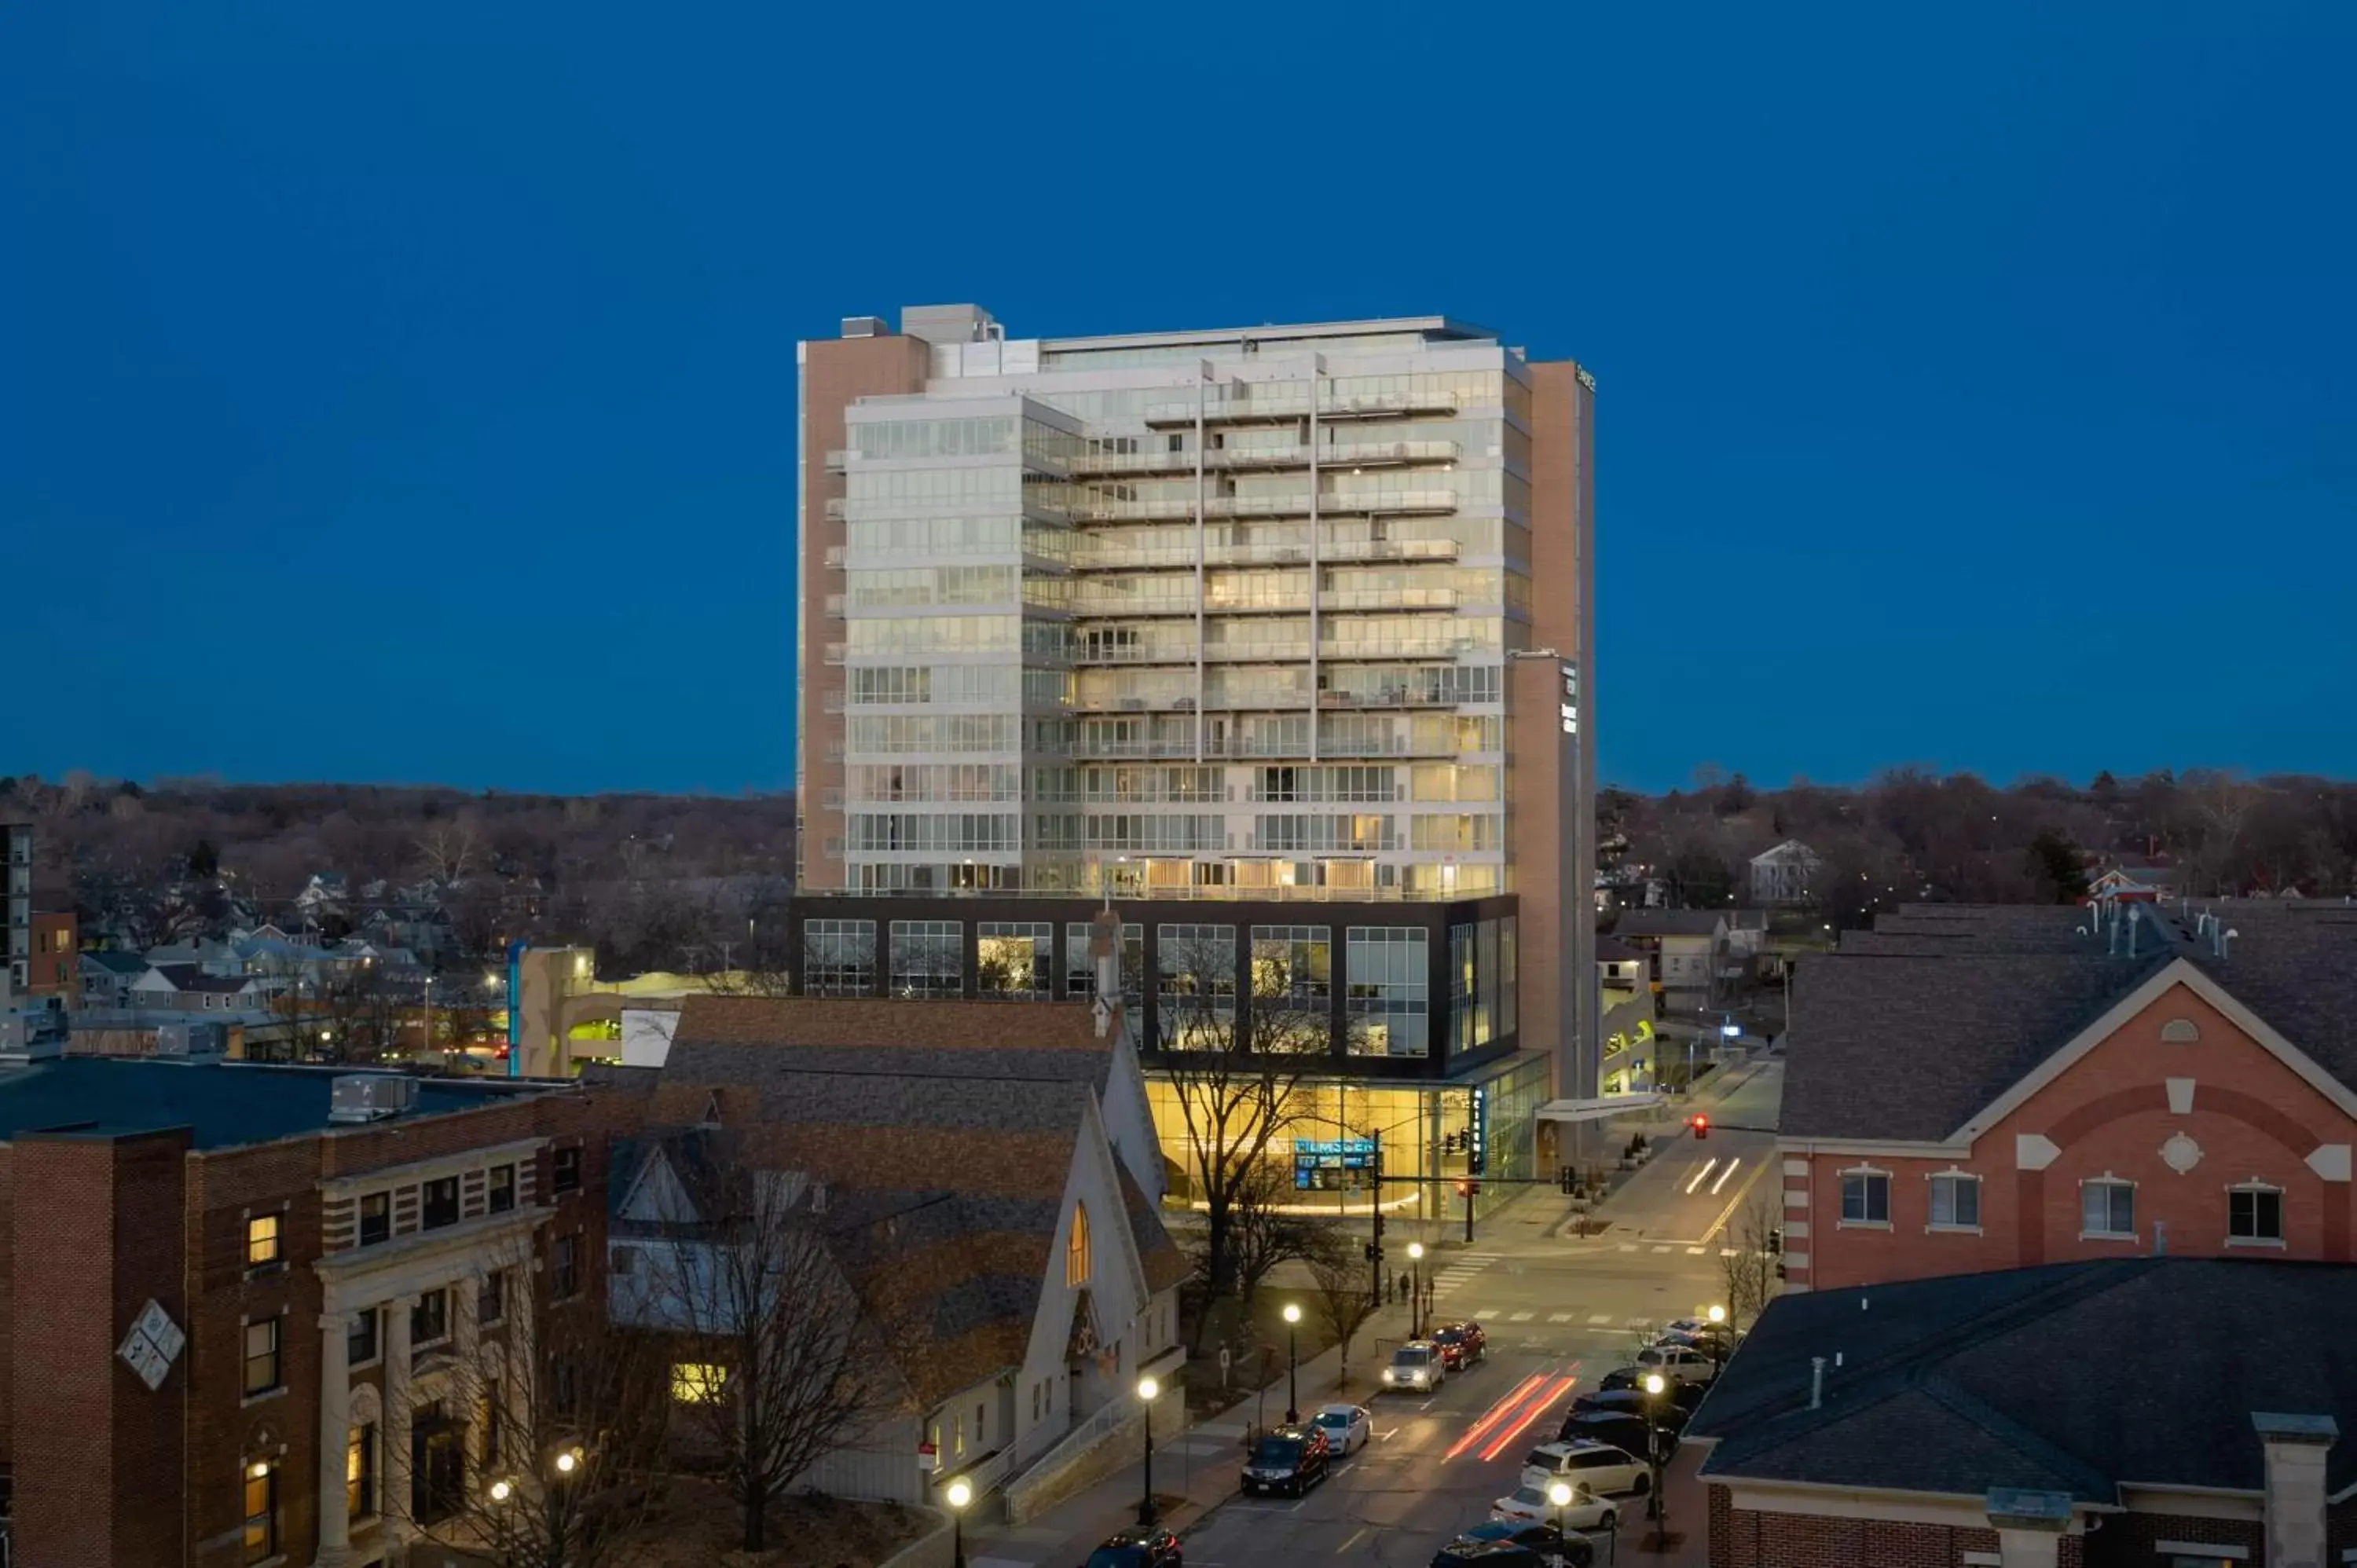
<point x="1973" y="1088"/>
<point x="52" y="969"/>
<point x="2130" y="1413"/>
<point x="227" y="1313"/>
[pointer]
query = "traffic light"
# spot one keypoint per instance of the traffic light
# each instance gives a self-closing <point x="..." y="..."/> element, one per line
<point x="1700" y="1124"/>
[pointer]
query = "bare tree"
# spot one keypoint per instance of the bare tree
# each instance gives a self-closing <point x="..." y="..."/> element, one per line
<point x="1235" y="1072"/>
<point x="1266" y="1227"/>
<point x="1748" y="1272"/>
<point x="746" y="1269"/>
<point x="448" y="846"/>
<point x="1343" y="1299"/>
<point x="554" y="1429"/>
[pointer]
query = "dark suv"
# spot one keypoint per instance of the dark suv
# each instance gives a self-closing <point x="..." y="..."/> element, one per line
<point x="1461" y="1344"/>
<point x="1289" y="1459"/>
<point x="1517" y="1544"/>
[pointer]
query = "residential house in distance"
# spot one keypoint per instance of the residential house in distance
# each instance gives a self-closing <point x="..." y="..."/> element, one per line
<point x="188" y="989"/>
<point x="238" y="1297"/>
<point x="107" y="978"/>
<point x="1970" y="1088"/>
<point x="2123" y="1412"/>
<point x="2134" y="884"/>
<point x="1782" y="874"/>
<point x="1687" y="946"/>
<point x="999" y="1155"/>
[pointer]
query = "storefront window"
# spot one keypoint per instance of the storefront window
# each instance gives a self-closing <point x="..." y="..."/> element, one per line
<point x="838" y="958"/>
<point x="1015" y="960"/>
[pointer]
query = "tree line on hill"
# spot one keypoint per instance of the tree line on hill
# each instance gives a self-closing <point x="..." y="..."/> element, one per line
<point x="1910" y="835"/>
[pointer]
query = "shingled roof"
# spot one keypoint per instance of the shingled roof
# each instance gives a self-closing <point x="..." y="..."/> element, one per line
<point x="944" y="1133"/>
<point x="1908" y="1030"/>
<point x="1938" y="1390"/>
<point x="1667" y="923"/>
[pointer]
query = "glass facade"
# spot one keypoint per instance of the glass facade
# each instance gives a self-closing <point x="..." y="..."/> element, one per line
<point x="1307" y="567"/>
<point x="1389" y="968"/>
<point x="1427" y="1131"/>
<point x="1015" y="960"/>
<point x="927" y="957"/>
<point x="838" y="958"/>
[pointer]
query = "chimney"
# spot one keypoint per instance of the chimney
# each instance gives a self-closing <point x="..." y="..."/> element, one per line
<point x="1816" y="1382"/>
<point x="2295" y="1447"/>
<point x="2029" y="1525"/>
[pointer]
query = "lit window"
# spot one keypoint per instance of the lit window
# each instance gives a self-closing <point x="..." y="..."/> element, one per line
<point x="376" y="1219"/>
<point x="1076" y="1248"/>
<point x="1865" y="1197"/>
<point x="261" y="1241"/>
<point x="501" y="1189"/>
<point x="2254" y="1213"/>
<point x="359" y="1472"/>
<point x="695" y="1383"/>
<point x="1955" y="1201"/>
<point x="261" y="1511"/>
<point x="2107" y="1207"/>
<point x="260" y="1356"/>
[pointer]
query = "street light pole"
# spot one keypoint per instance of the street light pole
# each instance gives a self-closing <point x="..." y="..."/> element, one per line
<point x="1415" y="1290"/>
<point x="960" y="1493"/>
<point x="1718" y="1317"/>
<point x="1655" y="1506"/>
<point x="1559" y="1494"/>
<point x="1292" y="1363"/>
<point x="1146" y="1389"/>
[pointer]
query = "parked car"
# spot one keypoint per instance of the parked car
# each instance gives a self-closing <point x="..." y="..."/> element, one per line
<point x="1289" y="1459"/>
<point x="1537" y="1538"/>
<point x="1624" y="1378"/>
<point x="1466" y="1552"/>
<point x="1683" y="1362"/>
<point x="1678" y="1403"/>
<point x="1630" y="1433"/>
<point x="1348" y="1428"/>
<point x="1141" y="1546"/>
<point x="1417" y="1364"/>
<point x="1598" y="1467"/>
<point x="1529" y="1504"/>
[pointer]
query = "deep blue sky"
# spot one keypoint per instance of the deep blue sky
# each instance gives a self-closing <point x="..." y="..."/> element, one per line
<point x="406" y="392"/>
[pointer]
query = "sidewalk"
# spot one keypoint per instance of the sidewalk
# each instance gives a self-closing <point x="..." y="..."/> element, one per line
<point x="1195" y="1470"/>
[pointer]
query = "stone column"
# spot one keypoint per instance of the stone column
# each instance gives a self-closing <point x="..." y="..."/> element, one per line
<point x="2028" y="1525"/>
<point x="334" y="1435"/>
<point x="397" y="1407"/>
<point x="2295" y="1447"/>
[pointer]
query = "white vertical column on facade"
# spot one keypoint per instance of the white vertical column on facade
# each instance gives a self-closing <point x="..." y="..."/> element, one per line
<point x="1317" y="369"/>
<point x="395" y="1459"/>
<point x="335" y="1429"/>
<point x="1204" y="374"/>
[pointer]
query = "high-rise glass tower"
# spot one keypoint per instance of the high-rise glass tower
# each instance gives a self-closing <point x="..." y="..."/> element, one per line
<point x="1283" y="614"/>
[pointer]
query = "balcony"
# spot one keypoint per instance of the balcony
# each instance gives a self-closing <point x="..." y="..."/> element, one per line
<point x="834" y="606"/>
<point x="837" y="460"/>
<point x="835" y="554"/>
<point x="1389" y="599"/>
<point x="1229" y="459"/>
<point x="1269" y="402"/>
<point x="835" y="509"/>
<point x="1327" y="503"/>
<point x="835" y="652"/>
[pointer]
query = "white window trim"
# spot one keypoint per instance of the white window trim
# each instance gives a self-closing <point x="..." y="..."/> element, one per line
<point x="2255" y="1184"/>
<point x="1848" y="1224"/>
<point x="2106" y="1179"/>
<point x="1933" y="1226"/>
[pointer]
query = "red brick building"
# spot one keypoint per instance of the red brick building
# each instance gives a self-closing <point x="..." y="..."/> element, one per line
<point x="1973" y="1088"/>
<point x="2135" y="1412"/>
<point x="227" y="1311"/>
<point x="51" y="969"/>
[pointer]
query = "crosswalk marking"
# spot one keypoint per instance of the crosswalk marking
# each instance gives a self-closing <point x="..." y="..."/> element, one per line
<point x="1460" y="1270"/>
<point x="1660" y="1248"/>
<point x="1599" y="1319"/>
<point x="1637" y="1323"/>
<point x="1628" y="1246"/>
<point x="1491" y="1312"/>
<point x="1727" y="1251"/>
<point x="1521" y="1317"/>
<point x="1693" y="1251"/>
<point x="1559" y="1317"/>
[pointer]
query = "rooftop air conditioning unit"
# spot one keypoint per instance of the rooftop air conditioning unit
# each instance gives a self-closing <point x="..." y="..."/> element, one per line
<point x="370" y="1096"/>
<point x="192" y="1041"/>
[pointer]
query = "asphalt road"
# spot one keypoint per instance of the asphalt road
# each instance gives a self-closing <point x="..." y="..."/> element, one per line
<point x="1560" y="1314"/>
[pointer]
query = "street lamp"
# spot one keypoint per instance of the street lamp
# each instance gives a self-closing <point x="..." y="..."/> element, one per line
<point x="959" y="1494"/>
<point x="1415" y="1290"/>
<point x="1292" y="1364"/>
<point x="1146" y="1389"/>
<point x="1717" y="1316"/>
<point x="502" y="1489"/>
<point x="1559" y="1494"/>
<point x="1654" y="1505"/>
